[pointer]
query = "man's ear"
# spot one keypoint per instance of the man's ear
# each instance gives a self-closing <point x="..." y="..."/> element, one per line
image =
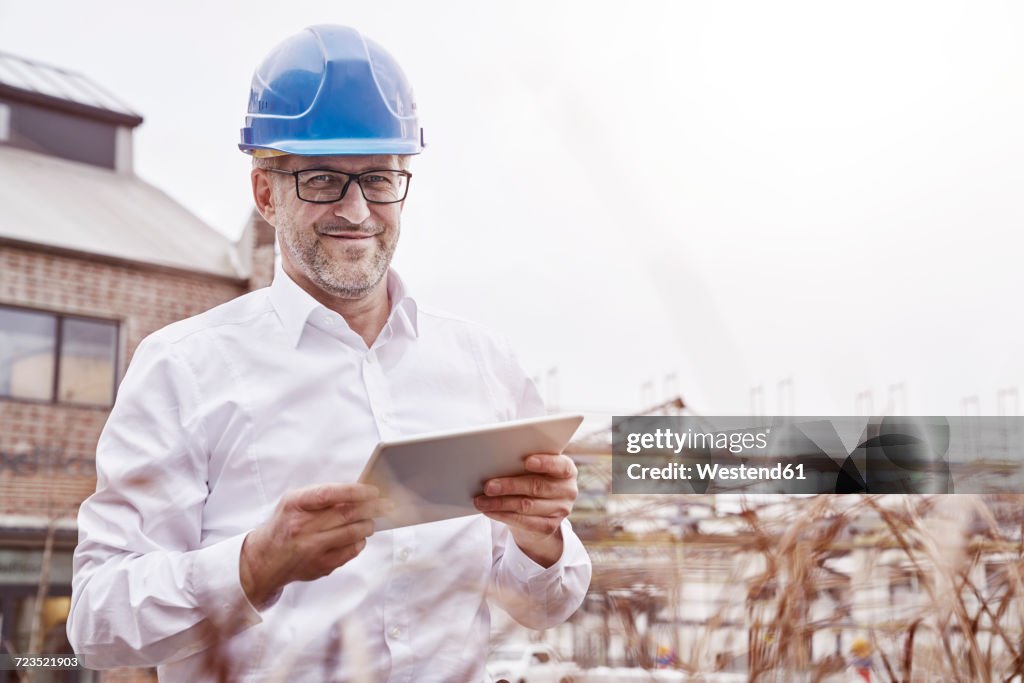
<point x="262" y="194"/>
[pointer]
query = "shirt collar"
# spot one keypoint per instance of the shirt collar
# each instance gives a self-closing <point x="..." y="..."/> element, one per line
<point x="294" y="305"/>
<point x="403" y="307"/>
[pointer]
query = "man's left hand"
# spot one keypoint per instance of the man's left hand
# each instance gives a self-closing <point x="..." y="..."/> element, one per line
<point x="534" y="504"/>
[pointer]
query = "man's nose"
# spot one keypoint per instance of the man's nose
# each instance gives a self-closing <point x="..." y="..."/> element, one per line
<point x="352" y="207"/>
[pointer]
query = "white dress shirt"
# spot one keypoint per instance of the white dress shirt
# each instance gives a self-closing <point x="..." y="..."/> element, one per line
<point x="218" y="417"/>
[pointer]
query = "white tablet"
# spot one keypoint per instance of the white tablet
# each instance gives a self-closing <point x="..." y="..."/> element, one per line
<point x="434" y="476"/>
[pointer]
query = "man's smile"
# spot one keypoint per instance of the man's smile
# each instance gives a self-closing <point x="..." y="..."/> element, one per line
<point x="349" y="235"/>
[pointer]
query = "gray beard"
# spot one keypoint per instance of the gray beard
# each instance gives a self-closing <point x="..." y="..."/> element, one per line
<point x="328" y="274"/>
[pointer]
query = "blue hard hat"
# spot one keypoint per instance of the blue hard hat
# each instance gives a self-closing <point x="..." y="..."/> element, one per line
<point x="329" y="90"/>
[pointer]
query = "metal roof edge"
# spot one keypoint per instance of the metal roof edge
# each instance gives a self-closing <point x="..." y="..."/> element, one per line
<point x="36" y="522"/>
<point x="30" y="531"/>
<point x="69" y="106"/>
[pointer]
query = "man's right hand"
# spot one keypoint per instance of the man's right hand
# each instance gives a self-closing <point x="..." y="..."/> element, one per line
<point x="312" y="532"/>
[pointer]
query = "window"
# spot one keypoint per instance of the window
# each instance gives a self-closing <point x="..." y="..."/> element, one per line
<point x="62" y="358"/>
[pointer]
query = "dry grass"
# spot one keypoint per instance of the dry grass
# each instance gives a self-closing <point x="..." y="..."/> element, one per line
<point x="933" y="582"/>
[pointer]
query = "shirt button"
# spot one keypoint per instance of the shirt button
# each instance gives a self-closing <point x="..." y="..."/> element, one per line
<point x="394" y="631"/>
<point x="404" y="555"/>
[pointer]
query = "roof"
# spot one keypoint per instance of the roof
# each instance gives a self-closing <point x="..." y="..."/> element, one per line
<point x="63" y="204"/>
<point x="56" y="87"/>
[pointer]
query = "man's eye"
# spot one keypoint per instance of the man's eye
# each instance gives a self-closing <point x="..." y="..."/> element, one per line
<point x="322" y="179"/>
<point x="376" y="179"/>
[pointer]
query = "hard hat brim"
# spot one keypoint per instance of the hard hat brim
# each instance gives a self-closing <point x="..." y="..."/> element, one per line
<point x="339" y="147"/>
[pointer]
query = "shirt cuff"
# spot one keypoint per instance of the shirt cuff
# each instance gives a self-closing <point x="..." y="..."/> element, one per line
<point x="527" y="571"/>
<point x="215" y="582"/>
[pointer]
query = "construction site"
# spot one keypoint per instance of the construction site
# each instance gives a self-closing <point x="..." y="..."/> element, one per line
<point x="794" y="587"/>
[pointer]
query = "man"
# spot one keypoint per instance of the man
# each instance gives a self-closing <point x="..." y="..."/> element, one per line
<point x="225" y="532"/>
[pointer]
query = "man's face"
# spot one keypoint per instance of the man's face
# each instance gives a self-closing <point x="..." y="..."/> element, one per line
<point x="343" y="248"/>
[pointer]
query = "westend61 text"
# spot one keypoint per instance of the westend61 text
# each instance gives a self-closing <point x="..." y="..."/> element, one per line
<point x="707" y="471"/>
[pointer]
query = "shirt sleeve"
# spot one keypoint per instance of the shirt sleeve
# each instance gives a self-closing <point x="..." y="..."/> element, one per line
<point x="146" y="590"/>
<point x="535" y="596"/>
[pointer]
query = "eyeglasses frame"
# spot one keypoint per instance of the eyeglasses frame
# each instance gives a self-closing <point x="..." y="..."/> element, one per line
<point x="344" y="190"/>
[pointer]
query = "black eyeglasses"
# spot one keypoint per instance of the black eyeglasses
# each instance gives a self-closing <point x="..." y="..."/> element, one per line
<point x="324" y="186"/>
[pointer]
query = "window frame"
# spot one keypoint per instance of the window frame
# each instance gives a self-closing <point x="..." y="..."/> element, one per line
<point x="58" y="343"/>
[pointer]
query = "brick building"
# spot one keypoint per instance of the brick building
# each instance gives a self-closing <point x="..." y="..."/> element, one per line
<point x="92" y="259"/>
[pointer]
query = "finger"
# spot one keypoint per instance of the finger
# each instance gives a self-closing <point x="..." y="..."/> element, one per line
<point x="532" y="485"/>
<point x="540" y="525"/>
<point x="324" y="496"/>
<point x="305" y="522"/>
<point x="558" y="466"/>
<point x="349" y="513"/>
<point x="541" y="507"/>
<point x="339" y="537"/>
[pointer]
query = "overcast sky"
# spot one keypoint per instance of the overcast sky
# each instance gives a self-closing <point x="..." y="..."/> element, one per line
<point x="824" y="195"/>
